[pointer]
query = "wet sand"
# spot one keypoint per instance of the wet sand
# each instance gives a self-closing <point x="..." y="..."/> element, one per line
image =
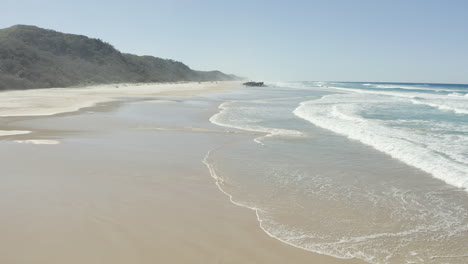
<point x="124" y="182"/>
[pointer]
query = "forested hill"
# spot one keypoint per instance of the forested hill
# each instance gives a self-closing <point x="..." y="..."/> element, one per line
<point x="32" y="57"/>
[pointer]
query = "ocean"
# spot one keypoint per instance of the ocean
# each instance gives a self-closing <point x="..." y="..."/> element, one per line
<point x="373" y="171"/>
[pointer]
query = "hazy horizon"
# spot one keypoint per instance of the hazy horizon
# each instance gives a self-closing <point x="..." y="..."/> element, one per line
<point x="397" y="41"/>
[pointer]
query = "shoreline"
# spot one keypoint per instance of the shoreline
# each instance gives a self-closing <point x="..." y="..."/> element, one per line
<point x="23" y="105"/>
<point x="63" y="100"/>
<point x="213" y="229"/>
<point x="299" y="187"/>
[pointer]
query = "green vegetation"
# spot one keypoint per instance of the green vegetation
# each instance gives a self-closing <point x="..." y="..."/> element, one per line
<point x="32" y="57"/>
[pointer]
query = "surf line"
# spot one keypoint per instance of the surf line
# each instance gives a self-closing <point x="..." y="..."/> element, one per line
<point x="220" y="183"/>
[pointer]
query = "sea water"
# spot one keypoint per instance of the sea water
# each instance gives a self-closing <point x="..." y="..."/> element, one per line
<point x="374" y="171"/>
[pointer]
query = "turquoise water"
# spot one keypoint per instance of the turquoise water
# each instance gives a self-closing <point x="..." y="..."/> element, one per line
<point x="375" y="171"/>
<point x="423" y="125"/>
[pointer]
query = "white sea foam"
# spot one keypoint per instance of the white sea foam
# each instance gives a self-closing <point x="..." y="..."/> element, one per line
<point x="457" y="94"/>
<point x="322" y="86"/>
<point x="368" y="244"/>
<point x="343" y="113"/>
<point x="413" y="87"/>
<point x="38" y="142"/>
<point x="445" y="105"/>
<point x="391" y="93"/>
<point x="269" y="226"/>
<point x="227" y="118"/>
<point x="457" y="104"/>
<point x="13" y="132"/>
<point x="338" y="113"/>
<point x="398" y="86"/>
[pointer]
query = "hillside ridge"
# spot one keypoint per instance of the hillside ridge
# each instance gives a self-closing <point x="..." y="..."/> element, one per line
<point x="33" y="57"/>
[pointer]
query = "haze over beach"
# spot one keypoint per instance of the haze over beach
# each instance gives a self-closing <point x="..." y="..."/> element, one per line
<point x="233" y="132"/>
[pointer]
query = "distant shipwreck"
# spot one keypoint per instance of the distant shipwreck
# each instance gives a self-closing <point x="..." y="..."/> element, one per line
<point x="254" y="84"/>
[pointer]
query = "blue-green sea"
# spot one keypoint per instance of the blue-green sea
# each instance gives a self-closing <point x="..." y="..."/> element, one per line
<point x="373" y="171"/>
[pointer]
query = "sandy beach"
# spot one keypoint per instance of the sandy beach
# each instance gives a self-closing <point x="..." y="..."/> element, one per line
<point x="329" y="132"/>
<point x="115" y="174"/>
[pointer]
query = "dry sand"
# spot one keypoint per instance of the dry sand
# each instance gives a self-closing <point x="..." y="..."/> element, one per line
<point x="40" y="102"/>
<point x="117" y="193"/>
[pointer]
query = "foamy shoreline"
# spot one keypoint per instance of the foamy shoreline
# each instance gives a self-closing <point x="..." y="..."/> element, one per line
<point x="121" y="191"/>
<point x="51" y="101"/>
<point x="13" y="132"/>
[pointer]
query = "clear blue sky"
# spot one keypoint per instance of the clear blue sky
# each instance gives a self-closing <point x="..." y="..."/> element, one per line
<point x="347" y="40"/>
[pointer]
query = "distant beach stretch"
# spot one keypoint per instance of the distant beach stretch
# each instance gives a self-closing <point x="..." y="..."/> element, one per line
<point x="115" y="174"/>
<point x="234" y="132"/>
<point x="179" y="172"/>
